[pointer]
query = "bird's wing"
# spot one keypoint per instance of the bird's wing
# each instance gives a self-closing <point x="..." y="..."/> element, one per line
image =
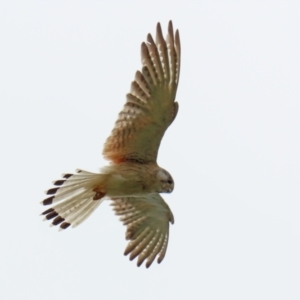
<point x="150" y="107"/>
<point x="147" y="219"/>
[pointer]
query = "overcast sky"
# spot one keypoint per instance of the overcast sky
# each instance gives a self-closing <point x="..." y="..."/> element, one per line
<point x="233" y="150"/>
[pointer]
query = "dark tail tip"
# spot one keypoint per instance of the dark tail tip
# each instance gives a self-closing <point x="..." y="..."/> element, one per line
<point x="48" y="201"/>
<point x="51" y="215"/>
<point x="67" y="175"/>
<point x="59" y="182"/>
<point x="64" y="225"/>
<point x="46" y="212"/>
<point x="58" y="220"/>
<point x="52" y="191"/>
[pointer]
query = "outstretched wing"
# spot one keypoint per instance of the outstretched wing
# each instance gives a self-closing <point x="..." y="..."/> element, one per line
<point x="150" y="107"/>
<point x="147" y="219"/>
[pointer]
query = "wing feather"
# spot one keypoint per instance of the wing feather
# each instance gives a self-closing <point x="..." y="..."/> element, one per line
<point x="163" y="52"/>
<point x="147" y="219"/>
<point x="150" y="106"/>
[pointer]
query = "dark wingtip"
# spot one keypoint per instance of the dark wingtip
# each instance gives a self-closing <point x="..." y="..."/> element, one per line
<point x="160" y="259"/>
<point x="170" y="27"/>
<point x="48" y="201"/>
<point x="150" y="39"/>
<point x="139" y="263"/>
<point x="158" y="30"/>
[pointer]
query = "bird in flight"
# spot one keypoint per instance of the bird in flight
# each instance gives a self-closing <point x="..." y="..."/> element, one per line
<point x="132" y="181"/>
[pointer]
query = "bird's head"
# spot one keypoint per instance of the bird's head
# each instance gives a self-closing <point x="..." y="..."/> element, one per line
<point x="166" y="182"/>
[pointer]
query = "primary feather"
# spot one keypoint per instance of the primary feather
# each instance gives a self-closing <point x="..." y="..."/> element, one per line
<point x="150" y="107"/>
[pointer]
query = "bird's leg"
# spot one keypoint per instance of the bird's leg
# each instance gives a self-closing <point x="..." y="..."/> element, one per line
<point x="99" y="193"/>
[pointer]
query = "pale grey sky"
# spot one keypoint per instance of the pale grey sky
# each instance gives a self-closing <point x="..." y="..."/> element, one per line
<point x="65" y="68"/>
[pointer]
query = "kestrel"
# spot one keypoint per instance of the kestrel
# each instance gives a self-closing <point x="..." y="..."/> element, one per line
<point x="133" y="180"/>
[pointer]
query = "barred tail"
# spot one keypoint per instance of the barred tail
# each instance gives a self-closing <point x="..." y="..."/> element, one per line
<point x="73" y="200"/>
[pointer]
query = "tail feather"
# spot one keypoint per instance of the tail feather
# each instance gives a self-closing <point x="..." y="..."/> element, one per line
<point x="72" y="198"/>
<point x="71" y="179"/>
<point x="66" y="189"/>
<point x="63" y="196"/>
<point x="83" y="213"/>
<point x="66" y="207"/>
<point x="83" y="172"/>
<point x="59" y="182"/>
<point x="86" y="213"/>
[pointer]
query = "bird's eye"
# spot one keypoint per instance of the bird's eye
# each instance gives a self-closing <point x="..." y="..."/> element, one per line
<point x="170" y="181"/>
